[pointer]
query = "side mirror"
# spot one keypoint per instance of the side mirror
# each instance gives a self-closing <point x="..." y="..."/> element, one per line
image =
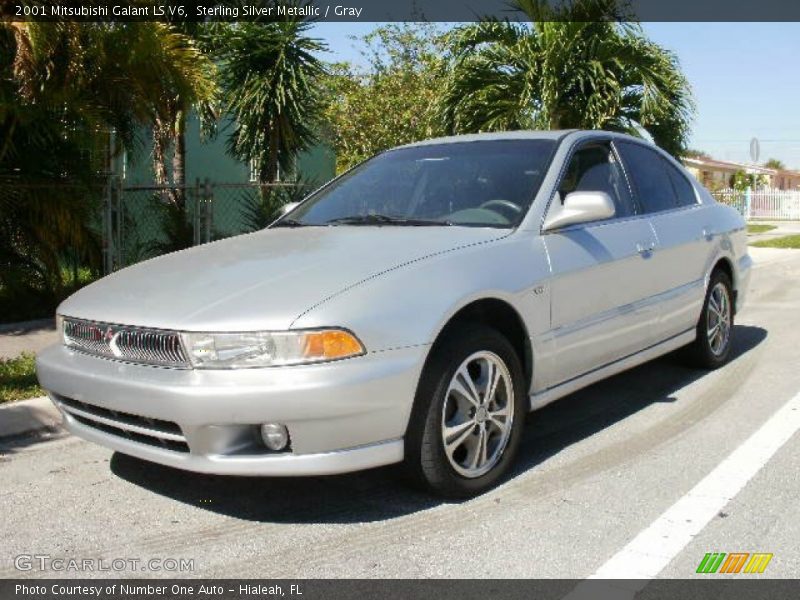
<point x="580" y="207"/>
<point x="289" y="207"/>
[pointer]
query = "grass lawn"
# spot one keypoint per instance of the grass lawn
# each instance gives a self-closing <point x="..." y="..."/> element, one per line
<point x="18" y="378"/>
<point x="787" y="241"/>
<point x="757" y="228"/>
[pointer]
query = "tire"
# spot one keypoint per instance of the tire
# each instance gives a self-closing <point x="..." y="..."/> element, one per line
<point x="711" y="351"/>
<point x="443" y="400"/>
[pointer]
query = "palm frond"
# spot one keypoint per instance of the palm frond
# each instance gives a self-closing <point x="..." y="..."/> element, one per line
<point x="271" y="80"/>
<point x="577" y="65"/>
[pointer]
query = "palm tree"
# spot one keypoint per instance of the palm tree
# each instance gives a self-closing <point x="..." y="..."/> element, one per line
<point x="118" y="75"/>
<point x="578" y="66"/>
<point x="169" y="130"/>
<point x="185" y="80"/>
<point x="774" y="163"/>
<point x="64" y="86"/>
<point x="47" y="164"/>
<point x="271" y="88"/>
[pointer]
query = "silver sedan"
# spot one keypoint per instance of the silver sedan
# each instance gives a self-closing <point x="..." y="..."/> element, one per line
<point x="412" y="310"/>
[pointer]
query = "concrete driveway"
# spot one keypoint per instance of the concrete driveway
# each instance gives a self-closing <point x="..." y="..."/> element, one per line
<point x="597" y="472"/>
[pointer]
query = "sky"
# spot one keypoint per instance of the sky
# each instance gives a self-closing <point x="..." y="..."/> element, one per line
<point x="745" y="78"/>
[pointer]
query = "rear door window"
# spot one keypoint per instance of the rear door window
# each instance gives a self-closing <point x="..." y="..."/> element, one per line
<point x="654" y="188"/>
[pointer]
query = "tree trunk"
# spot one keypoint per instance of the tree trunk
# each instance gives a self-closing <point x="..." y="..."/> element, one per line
<point x="269" y="168"/>
<point x="179" y="160"/>
<point x="160" y="144"/>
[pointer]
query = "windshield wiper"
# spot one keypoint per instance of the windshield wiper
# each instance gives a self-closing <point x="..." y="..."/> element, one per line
<point x="386" y="220"/>
<point x="289" y="223"/>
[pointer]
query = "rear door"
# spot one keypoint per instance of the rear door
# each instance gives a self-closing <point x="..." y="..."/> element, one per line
<point x="684" y="238"/>
<point x="601" y="273"/>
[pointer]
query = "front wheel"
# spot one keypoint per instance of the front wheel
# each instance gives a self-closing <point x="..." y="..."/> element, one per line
<point x="468" y="414"/>
<point x="712" y="346"/>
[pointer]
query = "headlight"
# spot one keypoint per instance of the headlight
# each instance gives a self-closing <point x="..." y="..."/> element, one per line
<point x="269" y="349"/>
<point x="60" y="328"/>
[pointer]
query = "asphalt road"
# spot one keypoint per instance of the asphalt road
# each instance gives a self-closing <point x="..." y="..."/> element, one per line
<point x="595" y="470"/>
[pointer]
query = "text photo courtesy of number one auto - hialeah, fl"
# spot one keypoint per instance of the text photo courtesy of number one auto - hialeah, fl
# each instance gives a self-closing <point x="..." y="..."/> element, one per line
<point x="405" y="299"/>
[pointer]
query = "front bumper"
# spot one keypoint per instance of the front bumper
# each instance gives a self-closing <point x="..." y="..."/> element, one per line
<point x="341" y="416"/>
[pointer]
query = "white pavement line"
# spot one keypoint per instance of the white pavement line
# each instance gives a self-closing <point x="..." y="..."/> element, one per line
<point x="653" y="549"/>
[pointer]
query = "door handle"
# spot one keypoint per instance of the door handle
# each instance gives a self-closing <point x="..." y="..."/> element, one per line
<point x="645" y="249"/>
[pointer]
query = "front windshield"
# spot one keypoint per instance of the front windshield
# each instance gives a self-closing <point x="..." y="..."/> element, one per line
<point x="478" y="184"/>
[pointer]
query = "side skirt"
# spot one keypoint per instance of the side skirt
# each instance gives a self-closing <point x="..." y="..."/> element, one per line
<point x="545" y="397"/>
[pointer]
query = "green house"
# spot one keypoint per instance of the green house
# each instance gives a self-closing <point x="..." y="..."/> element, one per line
<point x="219" y="196"/>
<point x="206" y="158"/>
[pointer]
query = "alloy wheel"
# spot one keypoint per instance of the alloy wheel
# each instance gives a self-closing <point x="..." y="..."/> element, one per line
<point x="478" y="414"/>
<point x="718" y="319"/>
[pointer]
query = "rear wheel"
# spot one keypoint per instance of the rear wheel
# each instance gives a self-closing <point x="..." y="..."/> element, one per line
<point x="712" y="346"/>
<point x="468" y="414"/>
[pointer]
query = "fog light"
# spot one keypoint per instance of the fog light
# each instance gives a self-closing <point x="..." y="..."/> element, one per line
<point x="275" y="436"/>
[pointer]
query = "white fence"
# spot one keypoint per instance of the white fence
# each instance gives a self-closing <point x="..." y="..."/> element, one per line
<point x="763" y="204"/>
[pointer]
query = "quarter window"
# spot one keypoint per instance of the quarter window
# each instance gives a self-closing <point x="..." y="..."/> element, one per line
<point x="683" y="189"/>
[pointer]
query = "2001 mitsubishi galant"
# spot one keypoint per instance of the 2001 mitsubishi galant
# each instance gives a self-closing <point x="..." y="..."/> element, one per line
<point x="411" y="310"/>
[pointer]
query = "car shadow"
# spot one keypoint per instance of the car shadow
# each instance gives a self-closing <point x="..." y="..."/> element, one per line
<point x="379" y="494"/>
<point x="599" y="406"/>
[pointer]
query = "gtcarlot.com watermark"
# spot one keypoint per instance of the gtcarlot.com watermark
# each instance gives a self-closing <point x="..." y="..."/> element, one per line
<point x="61" y="564"/>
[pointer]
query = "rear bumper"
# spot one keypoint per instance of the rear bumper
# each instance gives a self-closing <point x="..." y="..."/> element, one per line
<point x="343" y="416"/>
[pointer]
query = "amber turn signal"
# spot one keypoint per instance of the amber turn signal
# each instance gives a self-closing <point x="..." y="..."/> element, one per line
<point x="331" y="344"/>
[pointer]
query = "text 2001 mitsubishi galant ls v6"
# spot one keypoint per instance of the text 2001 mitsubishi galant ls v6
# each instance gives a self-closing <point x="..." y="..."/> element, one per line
<point x="411" y="310"/>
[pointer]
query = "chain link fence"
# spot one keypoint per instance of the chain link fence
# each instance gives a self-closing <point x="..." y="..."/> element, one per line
<point x="141" y="222"/>
<point x="237" y="208"/>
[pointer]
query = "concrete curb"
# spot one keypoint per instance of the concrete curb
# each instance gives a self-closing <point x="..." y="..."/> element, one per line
<point x="26" y="326"/>
<point x="29" y="416"/>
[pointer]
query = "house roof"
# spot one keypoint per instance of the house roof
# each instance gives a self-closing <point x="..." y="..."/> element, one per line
<point x="788" y="173"/>
<point x="723" y="165"/>
<point x="711" y="163"/>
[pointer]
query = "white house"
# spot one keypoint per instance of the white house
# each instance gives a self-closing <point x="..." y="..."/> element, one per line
<point x="717" y="174"/>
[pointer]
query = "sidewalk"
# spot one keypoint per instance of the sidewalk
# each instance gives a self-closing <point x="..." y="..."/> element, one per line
<point x="782" y="228"/>
<point x="36" y="415"/>
<point x="31" y="336"/>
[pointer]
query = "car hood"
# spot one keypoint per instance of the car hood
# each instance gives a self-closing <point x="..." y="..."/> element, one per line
<point x="263" y="280"/>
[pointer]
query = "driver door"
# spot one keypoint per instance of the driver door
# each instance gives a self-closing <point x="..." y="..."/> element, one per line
<point x="601" y="272"/>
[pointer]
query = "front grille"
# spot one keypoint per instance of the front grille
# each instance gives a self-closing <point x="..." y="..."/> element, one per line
<point x="121" y="342"/>
<point x="145" y="430"/>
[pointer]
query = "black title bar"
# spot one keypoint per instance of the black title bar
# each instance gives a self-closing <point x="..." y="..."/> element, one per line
<point x="701" y="588"/>
<point x="379" y="10"/>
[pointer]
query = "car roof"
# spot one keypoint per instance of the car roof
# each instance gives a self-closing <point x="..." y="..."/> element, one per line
<point x="556" y="135"/>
